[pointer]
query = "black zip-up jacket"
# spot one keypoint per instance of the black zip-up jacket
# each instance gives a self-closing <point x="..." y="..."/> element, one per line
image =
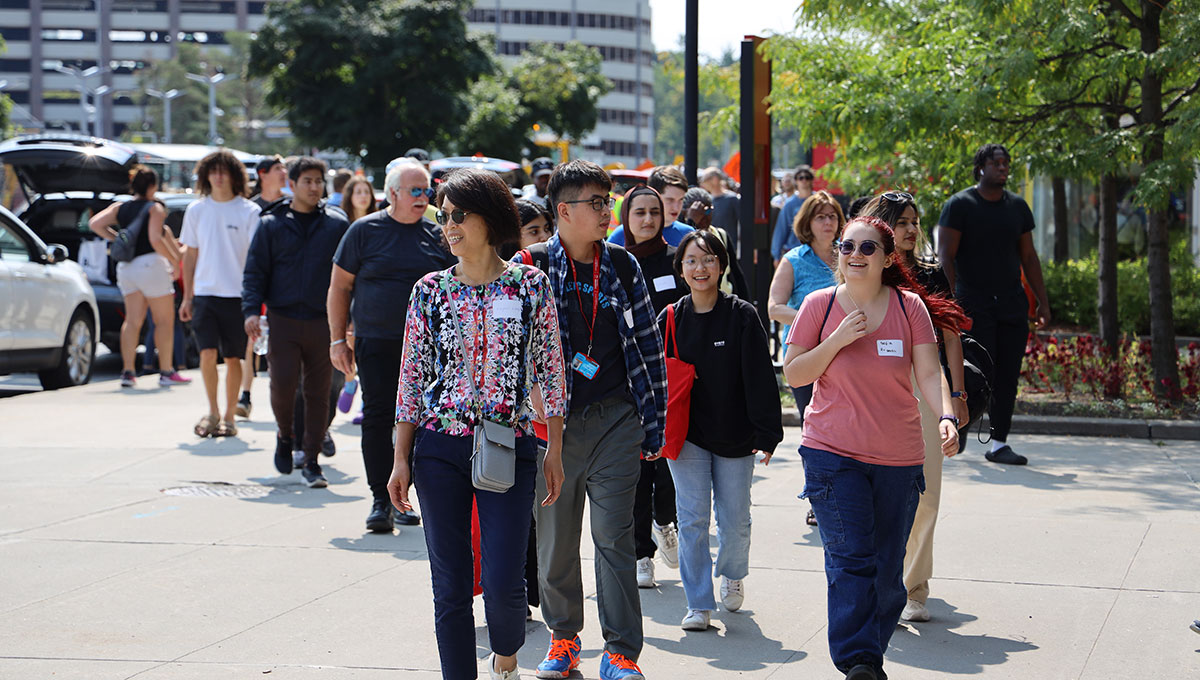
<point x="289" y="266"/>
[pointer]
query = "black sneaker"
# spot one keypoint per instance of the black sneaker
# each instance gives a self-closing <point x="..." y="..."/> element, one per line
<point x="862" y="672"/>
<point x="128" y="379"/>
<point x="1006" y="456"/>
<point x="283" y="455"/>
<point x="408" y="519"/>
<point x="328" y="448"/>
<point x="380" y="519"/>
<point x="313" y="477"/>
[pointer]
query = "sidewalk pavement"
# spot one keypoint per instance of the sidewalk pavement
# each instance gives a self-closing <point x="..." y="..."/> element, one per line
<point x="129" y="548"/>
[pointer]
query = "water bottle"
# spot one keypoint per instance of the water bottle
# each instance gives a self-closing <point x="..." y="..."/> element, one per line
<point x="260" y="345"/>
<point x="346" y="399"/>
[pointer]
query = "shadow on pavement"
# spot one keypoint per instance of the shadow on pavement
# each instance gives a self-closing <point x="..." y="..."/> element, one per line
<point x="1028" y="476"/>
<point x="756" y="651"/>
<point x="216" y="446"/>
<point x="926" y="648"/>
<point x="406" y="544"/>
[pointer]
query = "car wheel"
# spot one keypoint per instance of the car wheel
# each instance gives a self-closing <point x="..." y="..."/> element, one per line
<point x="78" y="355"/>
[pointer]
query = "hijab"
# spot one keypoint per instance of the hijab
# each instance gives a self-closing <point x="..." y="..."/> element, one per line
<point x="653" y="245"/>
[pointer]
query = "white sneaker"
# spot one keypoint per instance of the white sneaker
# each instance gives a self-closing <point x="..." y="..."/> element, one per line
<point x="696" y="620"/>
<point x="732" y="594"/>
<point x="667" y="540"/>
<point x="914" y="611"/>
<point x="645" y="573"/>
<point x="514" y="674"/>
<point x="297" y="459"/>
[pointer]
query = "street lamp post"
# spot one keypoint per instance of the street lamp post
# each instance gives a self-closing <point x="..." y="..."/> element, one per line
<point x="213" y="111"/>
<point x="81" y="76"/>
<point x="166" y="98"/>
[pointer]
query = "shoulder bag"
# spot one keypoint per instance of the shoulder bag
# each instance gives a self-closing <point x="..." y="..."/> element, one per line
<point x="680" y="377"/>
<point x="124" y="246"/>
<point x="494" y="450"/>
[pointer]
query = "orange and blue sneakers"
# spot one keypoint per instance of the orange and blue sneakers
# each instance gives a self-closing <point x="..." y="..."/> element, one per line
<point x="562" y="658"/>
<point x="617" y="667"/>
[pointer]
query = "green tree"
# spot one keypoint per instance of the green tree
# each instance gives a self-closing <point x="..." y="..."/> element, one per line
<point x="717" y="114"/>
<point x="554" y="87"/>
<point x="384" y="75"/>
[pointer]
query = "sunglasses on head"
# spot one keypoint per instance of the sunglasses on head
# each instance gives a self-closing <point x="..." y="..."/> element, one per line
<point x="443" y="218"/>
<point x="867" y="248"/>
<point x="898" y="197"/>
<point x="417" y="192"/>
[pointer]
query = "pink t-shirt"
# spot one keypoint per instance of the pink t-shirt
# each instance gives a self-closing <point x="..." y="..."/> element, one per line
<point x="863" y="405"/>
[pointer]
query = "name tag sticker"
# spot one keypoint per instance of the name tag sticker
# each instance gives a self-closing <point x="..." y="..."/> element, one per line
<point x="890" y="348"/>
<point x="629" y="317"/>
<point x="506" y="308"/>
<point x="662" y="283"/>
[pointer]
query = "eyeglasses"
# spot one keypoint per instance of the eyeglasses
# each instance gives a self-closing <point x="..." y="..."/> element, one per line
<point x="898" y="197"/>
<point x="707" y="261"/>
<point x="416" y="192"/>
<point x="597" y="203"/>
<point x="443" y="218"/>
<point x="804" y="178"/>
<point x="867" y="248"/>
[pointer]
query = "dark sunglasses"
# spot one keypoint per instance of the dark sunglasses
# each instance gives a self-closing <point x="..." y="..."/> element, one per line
<point x="416" y="192"/>
<point x="443" y="218"/>
<point x="867" y="248"/>
<point x="804" y="178"/>
<point x="898" y="197"/>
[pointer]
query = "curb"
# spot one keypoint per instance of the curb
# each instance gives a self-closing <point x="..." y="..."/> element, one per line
<point x="1084" y="427"/>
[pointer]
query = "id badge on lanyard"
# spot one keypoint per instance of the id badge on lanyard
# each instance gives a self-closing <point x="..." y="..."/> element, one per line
<point x="582" y="363"/>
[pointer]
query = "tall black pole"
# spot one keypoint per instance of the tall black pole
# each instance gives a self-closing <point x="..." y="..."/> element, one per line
<point x="746" y="221"/>
<point x="691" y="90"/>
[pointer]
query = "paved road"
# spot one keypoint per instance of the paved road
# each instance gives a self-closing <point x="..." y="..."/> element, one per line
<point x="129" y="549"/>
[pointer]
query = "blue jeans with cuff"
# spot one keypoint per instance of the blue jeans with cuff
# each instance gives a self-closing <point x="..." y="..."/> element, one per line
<point x="864" y="513"/>
<point x="442" y="477"/>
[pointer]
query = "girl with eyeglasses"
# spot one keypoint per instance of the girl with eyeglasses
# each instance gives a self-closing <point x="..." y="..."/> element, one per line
<point x="860" y="341"/>
<point x="734" y="416"/>
<point x="900" y="211"/>
<point x="654" y="532"/>
<point x="477" y="337"/>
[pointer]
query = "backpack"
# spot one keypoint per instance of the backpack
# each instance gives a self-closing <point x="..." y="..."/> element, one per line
<point x="124" y="246"/>
<point x="538" y="256"/>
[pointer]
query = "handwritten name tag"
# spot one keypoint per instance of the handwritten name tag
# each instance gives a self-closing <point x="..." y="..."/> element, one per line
<point x="890" y="348"/>
<point x="506" y="308"/>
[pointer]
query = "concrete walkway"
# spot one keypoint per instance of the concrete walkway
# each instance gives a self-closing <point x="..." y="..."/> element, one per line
<point x="128" y="548"/>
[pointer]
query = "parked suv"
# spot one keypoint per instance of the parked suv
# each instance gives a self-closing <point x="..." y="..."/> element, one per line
<point x="64" y="179"/>
<point x="48" y="312"/>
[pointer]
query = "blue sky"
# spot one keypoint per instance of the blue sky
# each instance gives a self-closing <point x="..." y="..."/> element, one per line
<point x="722" y="22"/>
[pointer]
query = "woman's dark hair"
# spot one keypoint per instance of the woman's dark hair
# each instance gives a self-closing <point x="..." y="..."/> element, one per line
<point x="483" y="192"/>
<point x="985" y="153"/>
<point x="706" y="240"/>
<point x="856" y="206"/>
<point x="348" y="202"/>
<point x="233" y="167"/>
<point x="944" y="312"/>
<point x="889" y="207"/>
<point x="802" y="225"/>
<point x="531" y="210"/>
<point x="141" y="178"/>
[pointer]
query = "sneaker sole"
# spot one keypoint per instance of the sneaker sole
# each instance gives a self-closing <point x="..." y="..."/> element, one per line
<point x="318" y="484"/>
<point x="555" y="675"/>
<point x="694" y="627"/>
<point x="668" y="563"/>
<point x="241" y="412"/>
<point x="380" y="528"/>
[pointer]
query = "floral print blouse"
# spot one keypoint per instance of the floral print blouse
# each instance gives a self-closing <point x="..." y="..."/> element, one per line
<point x="510" y="329"/>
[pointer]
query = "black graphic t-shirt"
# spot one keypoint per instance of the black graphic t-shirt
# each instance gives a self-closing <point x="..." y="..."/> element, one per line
<point x="610" y="380"/>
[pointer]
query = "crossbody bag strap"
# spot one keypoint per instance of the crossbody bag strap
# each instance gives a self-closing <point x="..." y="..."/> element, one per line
<point x="671" y="331"/>
<point x="461" y="341"/>
<point x="828" y="307"/>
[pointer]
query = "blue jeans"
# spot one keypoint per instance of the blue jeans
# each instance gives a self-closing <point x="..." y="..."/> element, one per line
<point x="700" y="477"/>
<point x="864" y="513"/>
<point x="442" y="476"/>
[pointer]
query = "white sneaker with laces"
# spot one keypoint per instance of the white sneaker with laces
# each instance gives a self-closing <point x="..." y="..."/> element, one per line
<point x="514" y="674"/>
<point x="645" y="573"/>
<point x="733" y="592"/>
<point x="915" y="611"/>
<point x="667" y="540"/>
<point x="696" y="619"/>
<point x="297" y="459"/>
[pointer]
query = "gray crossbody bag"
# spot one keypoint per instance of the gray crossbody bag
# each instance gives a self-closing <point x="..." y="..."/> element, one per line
<point x="494" y="450"/>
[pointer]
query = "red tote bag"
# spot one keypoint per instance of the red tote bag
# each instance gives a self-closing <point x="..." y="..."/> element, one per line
<point x="680" y="376"/>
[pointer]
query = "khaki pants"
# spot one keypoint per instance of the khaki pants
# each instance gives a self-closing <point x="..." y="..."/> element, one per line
<point x="918" y="555"/>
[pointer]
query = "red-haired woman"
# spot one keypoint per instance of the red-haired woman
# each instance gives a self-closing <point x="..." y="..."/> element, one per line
<point x="860" y="342"/>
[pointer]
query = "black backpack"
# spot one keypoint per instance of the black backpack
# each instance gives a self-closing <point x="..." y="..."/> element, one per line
<point x="538" y="256"/>
<point x="124" y="246"/>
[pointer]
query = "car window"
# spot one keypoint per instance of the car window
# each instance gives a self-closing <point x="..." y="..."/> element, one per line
<point x="13" y="248"/>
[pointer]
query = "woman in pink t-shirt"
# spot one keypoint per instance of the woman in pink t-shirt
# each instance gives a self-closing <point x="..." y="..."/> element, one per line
<point x="860" y="342"/>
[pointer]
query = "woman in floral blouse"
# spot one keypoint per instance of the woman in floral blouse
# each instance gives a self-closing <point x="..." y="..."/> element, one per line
<point x="510" y="336"/>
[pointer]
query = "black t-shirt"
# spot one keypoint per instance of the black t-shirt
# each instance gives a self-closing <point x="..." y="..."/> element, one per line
<point x="989" y="256"/>
<point x="610" y="380"/>
<point x="306" y="220"/>
<point x="126" y="214"/>
<point x="387" y="259"/>
<point x="725" y="216"/>
<point x="664" y="284"/>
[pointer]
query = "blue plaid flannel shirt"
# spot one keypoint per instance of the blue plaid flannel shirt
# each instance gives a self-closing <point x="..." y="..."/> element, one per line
<point x="642" y="345"/>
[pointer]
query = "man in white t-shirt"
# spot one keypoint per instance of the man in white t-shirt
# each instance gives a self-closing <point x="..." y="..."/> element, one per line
<point x="217" y="230"/>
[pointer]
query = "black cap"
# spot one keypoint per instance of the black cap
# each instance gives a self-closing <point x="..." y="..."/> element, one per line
<point x="267" y="163"/>
<point x="542" y="166"/>
<point x="417" y="153"/>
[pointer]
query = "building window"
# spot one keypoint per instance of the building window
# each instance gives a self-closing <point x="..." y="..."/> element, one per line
<point x="14" y="4"/>
<point x="12" y="33"/>
<point x="14" y="66"/>
<point x="139" y="6"/>
<point x="68" y="5"/>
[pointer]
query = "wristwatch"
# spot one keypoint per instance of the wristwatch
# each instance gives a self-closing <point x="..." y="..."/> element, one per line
<point x="951" y="418"/>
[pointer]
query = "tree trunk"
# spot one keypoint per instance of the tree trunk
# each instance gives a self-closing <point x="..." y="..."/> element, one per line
<point x="1061" y="241"/>
<point x="1110" y="331"/>
<point x="1162" y="317"/>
